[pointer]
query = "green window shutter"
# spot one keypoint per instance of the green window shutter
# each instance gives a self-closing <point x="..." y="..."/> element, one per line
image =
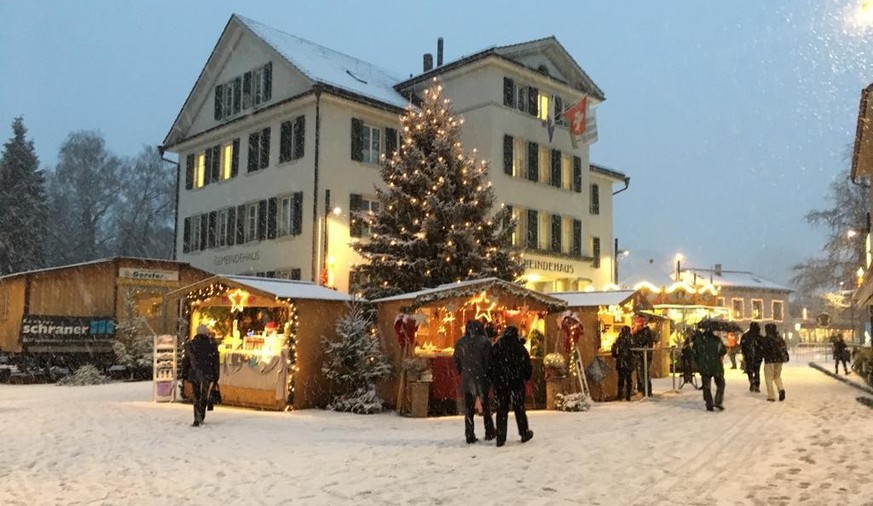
<point x="577" y="174"/>
<point x="357" y="140"/>
<point x="299" y="137"/>
<point x="254" y="146"/>
<point x="189" y="172"/>
<point x="555" y="179"/>
<point x="219" y="99"/>
<point x="231" y="226"/>
<point x="508" y="92"/>
<point x="247" y="90"/>
<point x="297" y="209"/>
<point x="237" y="95"/>
<point x="595" y="252"/>
<point x="211" y="234"/>
<point x="285" y="141"/>
<point x="268" y="81"/>
<point x="507" y="155"/>
<point x="533" y="161"/>
<point x="533" y="95"/>
<point x="234" y="161"/>
<point x="186" y="236"/>
<point x="533" y="225"/>
<point x="262" y="220"/>
<point x="390" y="141"/>
<point x="356" y="226"/>
<point x="272" y="209"/>
<point x="577" y="238"/>
<point x="265" y="148"/>
<point x="241" y="224"/>
<point x="555" y="238"/>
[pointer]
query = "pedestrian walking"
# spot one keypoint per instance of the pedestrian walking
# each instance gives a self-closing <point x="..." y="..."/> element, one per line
<point x="709" y="351"/>
<point x="775" y="352"/>
<point x="750" y="344"/>
<point x="200" y="366"/>
<point x="472" y="352"/>
<point x="732" y="349"/>
<point x="624" y="362"/>
<point x="642" y="337"/>
<point x="841" y="354"/>
<point x="509" y="369"/>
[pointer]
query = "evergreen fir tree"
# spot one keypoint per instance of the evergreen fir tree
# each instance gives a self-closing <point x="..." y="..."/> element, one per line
<point x="134" y="343"/>
<point x="434" y="224"/>
<point x="355" y="362"/>
<point x="23" y="204"/>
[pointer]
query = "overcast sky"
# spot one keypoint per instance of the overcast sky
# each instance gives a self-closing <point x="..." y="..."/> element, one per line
<point x="731" y="118"/>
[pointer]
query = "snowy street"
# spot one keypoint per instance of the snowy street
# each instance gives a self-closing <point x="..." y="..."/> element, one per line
<point x="111" y="445"/>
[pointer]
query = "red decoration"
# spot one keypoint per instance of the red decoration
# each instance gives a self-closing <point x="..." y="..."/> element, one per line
<point x="572" y="329"/>
<point x="405" y="328"/>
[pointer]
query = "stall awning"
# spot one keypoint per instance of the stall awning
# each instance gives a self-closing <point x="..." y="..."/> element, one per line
<point x="466" y="289"/>
<point x="279" y="288"/>
<point x="595" y="299"/>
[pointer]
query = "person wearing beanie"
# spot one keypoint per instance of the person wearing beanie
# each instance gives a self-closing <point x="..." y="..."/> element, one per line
<point x="508" y="370"/>
<point x="200" y="366"/>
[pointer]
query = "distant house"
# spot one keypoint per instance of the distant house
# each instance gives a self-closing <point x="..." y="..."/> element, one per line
<point x="278" y="132"/>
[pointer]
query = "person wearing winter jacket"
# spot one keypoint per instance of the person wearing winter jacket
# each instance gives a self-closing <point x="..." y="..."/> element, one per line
<point x="509" y="369"/>
<point x="472" y="352"/>
<point x="775" y="352"/>
<point x="200" y="366"/>
<point x="750" y="344"/>
<point x="624" y="362"/>
<point x="709" y="351"/>
<point x="841" y="354"/>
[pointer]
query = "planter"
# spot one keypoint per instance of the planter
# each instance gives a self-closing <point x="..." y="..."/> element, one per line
<point x="419" y="397"/>
<point x="554" y="386"/>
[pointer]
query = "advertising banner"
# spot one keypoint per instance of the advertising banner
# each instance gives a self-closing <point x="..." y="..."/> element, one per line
<point x="39" y="329"/>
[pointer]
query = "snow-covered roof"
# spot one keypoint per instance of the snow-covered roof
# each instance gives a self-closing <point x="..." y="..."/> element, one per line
<point x="284" y="288"/>
<point x="91" y="262"/>
<point x="330" y="67"/>
<point x="594" y="299"/>
<point x="473" y="287"/>
<point x="735" y="279"/>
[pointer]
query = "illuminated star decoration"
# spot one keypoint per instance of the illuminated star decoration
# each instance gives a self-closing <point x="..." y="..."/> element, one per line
<point x="484" y="306"/>
<point x="237" y="300"/>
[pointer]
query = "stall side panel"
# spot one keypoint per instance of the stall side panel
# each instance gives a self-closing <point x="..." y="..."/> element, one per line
<point x="316" y="318"/>
<point x="11" y="310"/>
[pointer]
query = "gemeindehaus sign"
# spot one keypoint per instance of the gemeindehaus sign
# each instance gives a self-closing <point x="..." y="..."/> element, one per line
<point x="42" y="329"/>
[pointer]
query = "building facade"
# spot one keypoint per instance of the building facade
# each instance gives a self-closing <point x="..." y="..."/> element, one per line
<point x="280" y="139"/>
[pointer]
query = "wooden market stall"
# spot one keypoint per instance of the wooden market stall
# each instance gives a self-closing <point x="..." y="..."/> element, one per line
<point x="438" y="318"/>
<point x="269" y="333"/>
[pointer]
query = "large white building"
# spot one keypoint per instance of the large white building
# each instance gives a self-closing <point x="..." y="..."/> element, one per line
<point x="279" y="144"/>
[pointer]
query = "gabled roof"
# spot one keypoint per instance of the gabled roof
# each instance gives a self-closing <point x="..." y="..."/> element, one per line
<point x="548" y="45"/>
<point x="270" y="287"/>
<point x="472" y="288"/>
<point x="735" y="279"/>
<point x="95" y="262"/>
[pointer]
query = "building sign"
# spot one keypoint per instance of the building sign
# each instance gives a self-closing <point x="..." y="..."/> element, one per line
<point x="66" y="329"/>
<point x="148" y="274"/>
<point x="238" y="258"/>
<point x="549" y="266"/>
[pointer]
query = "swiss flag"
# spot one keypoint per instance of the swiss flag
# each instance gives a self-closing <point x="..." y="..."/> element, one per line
<point x="577" y="116"/>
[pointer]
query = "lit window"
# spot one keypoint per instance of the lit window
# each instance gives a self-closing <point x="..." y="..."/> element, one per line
<point x="519" y="156"/>
<point x="370" y="207"/>
<point x="757" y="309"/>
<point x="286" y="215"/>
<point x="227" y="161"/>
<point x="201" y="170"/>
<point x="544" y="106"/>
<point x="372" y="145"/>
<point x="566" y="172"/>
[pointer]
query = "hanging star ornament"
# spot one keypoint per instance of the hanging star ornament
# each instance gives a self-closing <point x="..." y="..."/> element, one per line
<point x="237" y="300"/>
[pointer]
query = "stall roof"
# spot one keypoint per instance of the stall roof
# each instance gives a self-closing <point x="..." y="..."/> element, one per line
<point x="473" y="287"/>
<point x="284" y="288"/>
<point x="593" y="299"/>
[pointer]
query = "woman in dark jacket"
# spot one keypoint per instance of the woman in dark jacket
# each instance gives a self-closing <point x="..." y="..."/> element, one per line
<point x="200" y="366"/>
<point x="750" y="344"/>
<point x="508" y="369"/>
<point x="775" y="352"/>
<point x="624" y="362"/>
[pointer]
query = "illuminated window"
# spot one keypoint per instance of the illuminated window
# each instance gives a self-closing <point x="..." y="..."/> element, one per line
<point x="516" y="232"/>
<point x="566" y="172"/>
<point x="777" y="310"/>
<point x="757" y="309"/>
<point x="369" y="207"/>
<point x="737" y="309"/>
<point x="519" y="158"/>
<point x="543" y="109"/>
<point x="372" y="145"/>
<point x="544" y="164"/>
<point x="200" y="174"/>
<point x="227" y="161"/>
<point x="719" y="301"/>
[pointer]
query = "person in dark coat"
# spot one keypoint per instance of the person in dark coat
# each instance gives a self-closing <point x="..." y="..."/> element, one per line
<point x="709" y="352"/>
<point x="750" y="344"/>
<point x="470" y="358"/>
<point x="200" y="366"/>
<point x="775" y="352"/>
<point x="841" y="354"/>
<point x="624" y="362"/>
<point x="508" y="370"/>
<point x="642" y="337"/>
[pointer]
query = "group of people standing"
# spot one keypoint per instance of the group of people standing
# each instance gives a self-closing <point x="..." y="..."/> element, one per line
<point x="506" y="367"/>
<point x="769" y="349"/>
<point x="628" y="360"/>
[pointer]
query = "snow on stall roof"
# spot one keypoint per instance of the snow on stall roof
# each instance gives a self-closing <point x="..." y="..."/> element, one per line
<point x="91" y="262"/>
<point x="594" y="299"/>
<point x="331" y="67"/>
<point x="471" y="287"/>
<point x="290" y="289"/>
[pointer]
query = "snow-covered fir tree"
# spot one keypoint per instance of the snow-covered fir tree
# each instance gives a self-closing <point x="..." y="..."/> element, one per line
<point x="23" y="204"/>
<point x="435" y="223"/>
<point x="134" y="342"/>
<point x="355" y="362"/>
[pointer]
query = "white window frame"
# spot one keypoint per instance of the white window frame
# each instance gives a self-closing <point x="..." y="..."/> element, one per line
<point x="738" y="315"/>
<point x="251" y="222"/>
<point x="521" y="98"/>
<point x="760" y="304"/>
<point x="285" y="217"/>
<point x="228" y="91"/>
<point x="372" y="144"/>
<point x="195" y="233"/>
<point x="258" y="83"/>
<point x="226" y="160"/>
<point x="781" y="305"/>
<point x="221" y="226"/>
<point x="199" y="169"/>
<point x="519" y="157"/>
<point x="371" y="207"/>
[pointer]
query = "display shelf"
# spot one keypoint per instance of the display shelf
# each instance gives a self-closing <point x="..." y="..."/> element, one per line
<point x="165" y="361"/>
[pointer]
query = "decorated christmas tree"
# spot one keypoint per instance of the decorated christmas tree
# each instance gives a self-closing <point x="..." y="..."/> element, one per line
<point x="435" y="223"/>
<point x="355" y="362"/>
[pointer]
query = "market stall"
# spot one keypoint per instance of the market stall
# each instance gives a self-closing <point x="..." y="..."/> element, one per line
<point x="269" y="336"/>
<point x="426" y="325"/>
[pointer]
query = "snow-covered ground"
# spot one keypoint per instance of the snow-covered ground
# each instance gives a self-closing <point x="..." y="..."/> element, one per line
<point x="110" y="444"/>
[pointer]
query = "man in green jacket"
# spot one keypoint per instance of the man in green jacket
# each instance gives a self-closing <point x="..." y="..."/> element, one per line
<point x="709" y="351"/>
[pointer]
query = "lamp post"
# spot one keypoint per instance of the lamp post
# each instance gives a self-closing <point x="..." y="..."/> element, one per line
<point x="615" y="256"/>
<point x="679" y="259"/>
<point x="326" y="274"/>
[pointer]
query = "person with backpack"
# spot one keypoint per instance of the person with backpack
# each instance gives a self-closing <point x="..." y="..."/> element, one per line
<point x="709" y="351"/>
<point x="775" y="352"/>
<point x="624" y="362"/>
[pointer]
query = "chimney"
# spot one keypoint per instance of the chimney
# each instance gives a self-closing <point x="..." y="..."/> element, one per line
<point x="718" y="269"/>
<point x="428" y="61"/>
<point x="440" y="52"/>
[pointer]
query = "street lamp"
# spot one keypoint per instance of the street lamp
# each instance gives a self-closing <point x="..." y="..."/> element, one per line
<point x="327" y="260"/>
<point x="679" y="257"/>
